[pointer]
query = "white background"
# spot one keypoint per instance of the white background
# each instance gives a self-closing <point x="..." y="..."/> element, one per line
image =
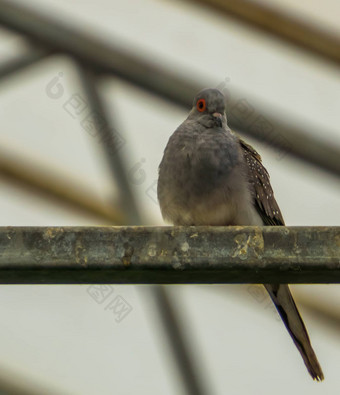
<point x="58" y="336"/>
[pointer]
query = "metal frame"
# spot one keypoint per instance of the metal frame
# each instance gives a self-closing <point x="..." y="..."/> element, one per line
<point x="270" y="20"/>
<point x="187" y="254"/>
<point x="107" y="59"/>
<point x="169" y="255"/>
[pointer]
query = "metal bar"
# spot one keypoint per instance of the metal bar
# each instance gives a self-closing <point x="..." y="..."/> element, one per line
<point x="23" y="61"/>
<point x="286" y="27"/>
<point x="12" y="383"/>
<point x="26" y="175"/>
<point x="320" y="310"/>
<point x="286" y="137"/>
<point x="169" y="255"/>
<point x="29" y="175"/>
<point x="166" y="310"/>
<point x="99" y="102"/>
<point x="180" y="348"/>
<point x="110" y="139"/>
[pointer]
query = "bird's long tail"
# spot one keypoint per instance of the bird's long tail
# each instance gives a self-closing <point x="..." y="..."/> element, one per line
<point x="285" y="305"/>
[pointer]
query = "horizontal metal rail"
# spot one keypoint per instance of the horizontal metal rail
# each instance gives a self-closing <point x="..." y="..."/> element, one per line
<point x="164" y="255"/>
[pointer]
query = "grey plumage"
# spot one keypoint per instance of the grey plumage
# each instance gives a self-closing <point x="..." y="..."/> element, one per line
<point x="209" y="176"/>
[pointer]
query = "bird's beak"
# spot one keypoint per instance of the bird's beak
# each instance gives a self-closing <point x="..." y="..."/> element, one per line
<point x="218" y="118"/>
<point x="217" y="115"/>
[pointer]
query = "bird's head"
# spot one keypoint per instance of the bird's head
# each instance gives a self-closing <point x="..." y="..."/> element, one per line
<point x="209" y="108"/>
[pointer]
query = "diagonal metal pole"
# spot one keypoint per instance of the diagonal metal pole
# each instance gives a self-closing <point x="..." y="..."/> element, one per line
<point x="106" y="58"/>
<point x="321" y="310"/>
<point x="166" y="310"/>
<point x="283" y="26"/>
<point x="14" y="168"/>
<point x="179" y="346"/>
<point x="22" y="61"/>
<point x="11" y="383"/>
<point x="112" y="143"/>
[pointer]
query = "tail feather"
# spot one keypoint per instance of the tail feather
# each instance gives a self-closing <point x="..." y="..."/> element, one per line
<point x="286" y="307"/>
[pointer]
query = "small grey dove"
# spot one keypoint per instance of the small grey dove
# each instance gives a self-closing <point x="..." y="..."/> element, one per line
<point x="209" y="176"/>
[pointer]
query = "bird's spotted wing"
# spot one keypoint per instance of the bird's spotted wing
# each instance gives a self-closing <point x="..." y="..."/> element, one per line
<point x="263" y="195"/>
<point x="280" y="294"/>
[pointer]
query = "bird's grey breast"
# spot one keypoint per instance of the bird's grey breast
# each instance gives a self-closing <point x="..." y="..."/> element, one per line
<point x="196" y="161"/>
<point x="195" y="175"/>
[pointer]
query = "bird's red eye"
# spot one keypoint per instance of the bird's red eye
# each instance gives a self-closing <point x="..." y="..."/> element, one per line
<point x="201" y="106"/>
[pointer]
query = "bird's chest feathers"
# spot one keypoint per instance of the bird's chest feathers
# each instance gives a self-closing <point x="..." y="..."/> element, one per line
<point x="205" y="160"/>
<point x="204" y="181"/>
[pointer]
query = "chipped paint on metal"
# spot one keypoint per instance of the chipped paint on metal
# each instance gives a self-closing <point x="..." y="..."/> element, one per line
<point x="152" y="250"/>
<point x="249" y="245"/>
<point x="185" y="246"/>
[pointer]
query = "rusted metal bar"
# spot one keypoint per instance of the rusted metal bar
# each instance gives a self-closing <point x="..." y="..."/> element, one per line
<point x="165" y="255"/>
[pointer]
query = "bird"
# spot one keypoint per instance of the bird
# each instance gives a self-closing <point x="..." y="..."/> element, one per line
<point x="210" y="176"/>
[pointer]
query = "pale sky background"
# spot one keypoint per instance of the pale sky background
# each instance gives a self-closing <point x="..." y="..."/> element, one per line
<point x="58" y="336"/>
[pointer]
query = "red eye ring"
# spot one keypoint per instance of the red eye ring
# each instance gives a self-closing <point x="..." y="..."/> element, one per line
<point x="201" y="105"/>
